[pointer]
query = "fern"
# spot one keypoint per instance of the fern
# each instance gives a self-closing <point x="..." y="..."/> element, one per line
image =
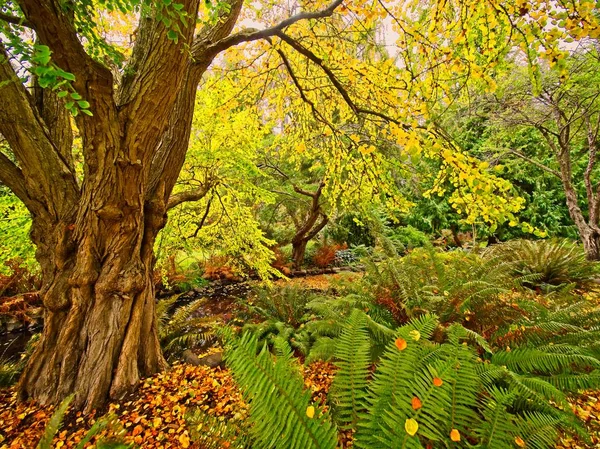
<point x="352" y="352"/>
<point x="181" y="330"/>
<point x="109" y="420"/>
<point x="54" y="423"/>
<point x="278" y="402"/>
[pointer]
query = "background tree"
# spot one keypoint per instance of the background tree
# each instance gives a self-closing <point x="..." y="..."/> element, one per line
<point x="563" y="115"/>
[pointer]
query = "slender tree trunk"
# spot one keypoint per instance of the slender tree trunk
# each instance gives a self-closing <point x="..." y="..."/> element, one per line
<point x="298" y="252"/>
<point x="591" y="243"/>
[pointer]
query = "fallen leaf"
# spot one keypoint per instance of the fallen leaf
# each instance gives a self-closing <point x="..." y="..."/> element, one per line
<point x="411" y="426"/>
<point x="401" y="344"/>
<point x="416" y="403"/>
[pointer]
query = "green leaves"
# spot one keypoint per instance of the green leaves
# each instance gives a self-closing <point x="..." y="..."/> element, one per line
<point x="50" y="76"/>
<point x="280" y="408"/>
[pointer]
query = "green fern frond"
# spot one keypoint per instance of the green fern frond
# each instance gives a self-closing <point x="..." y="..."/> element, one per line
<point x="348" y="391"/>
<point x="54" y="423"/>
<point x="533" y="360"/>
<point x="271" y="386"/>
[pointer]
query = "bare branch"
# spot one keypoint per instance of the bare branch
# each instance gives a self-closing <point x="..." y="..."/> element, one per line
<point x="252" y="34"/>
<point x="15" y="20"/>
<point x="334" y="80"/>
<point x="12" y="177"/>
<point x="534" y="162"/>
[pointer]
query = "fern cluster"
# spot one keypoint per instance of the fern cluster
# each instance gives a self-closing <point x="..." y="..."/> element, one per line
<point x="434" y="386"/>
<point x="181" y="329"/>
<point x="553" y="263"/>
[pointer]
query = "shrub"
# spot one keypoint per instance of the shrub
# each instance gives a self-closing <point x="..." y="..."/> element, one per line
<point x="350" y="230"/>
<point x="218" y="267"/>
<point x="548" y="263"/>
<point x="325" y="256"/>
<point x="180" y="329"/>
<point x="407" y="238"/>
<point x="19" y="279"/>
<point x="173" y="276"/>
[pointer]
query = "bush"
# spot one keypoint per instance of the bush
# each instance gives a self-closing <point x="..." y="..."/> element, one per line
<point x="548" y="263"/>
<point x="407" y="238"/>
<point x="325" y="256"/>
<point x="349" y="230"/>
<point x="20" y="279"/>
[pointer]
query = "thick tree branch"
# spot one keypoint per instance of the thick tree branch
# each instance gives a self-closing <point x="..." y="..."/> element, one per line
<point x="189" y="195"/>
<point x="249" y="35"/>
<point x="28" y="138"/>
<point x="15" y="20"/>
<point x="318" y="227"/>
<point x="12" y="177"/>
<point x="170" y="153"/>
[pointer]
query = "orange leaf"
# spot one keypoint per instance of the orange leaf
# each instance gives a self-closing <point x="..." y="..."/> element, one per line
<point x="437" y="381"/>
<point x="401" y="344"/>
<point x="519" y="441"/>
<point x="137" y="430"/>
<point x="416" y="403"/>
<point x="455" y="435"/>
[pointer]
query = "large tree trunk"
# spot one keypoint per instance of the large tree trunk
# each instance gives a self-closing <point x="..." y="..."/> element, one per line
<point x="100" y="334"/>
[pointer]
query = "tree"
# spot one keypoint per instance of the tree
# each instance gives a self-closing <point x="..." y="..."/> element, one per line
<point x="565" y="113"/>
<point x="133" y="110"/>
<point x="95" y="235"/>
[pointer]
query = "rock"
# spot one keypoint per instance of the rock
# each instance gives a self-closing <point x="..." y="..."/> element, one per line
<point x="212" y="360"/>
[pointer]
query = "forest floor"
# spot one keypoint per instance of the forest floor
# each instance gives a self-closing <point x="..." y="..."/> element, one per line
<point x="155" y="416"/>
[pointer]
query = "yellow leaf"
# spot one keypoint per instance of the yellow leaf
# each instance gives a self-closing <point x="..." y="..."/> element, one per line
<point x="415" y="334"/>
<point x="310" y="411"/>
<point x="455" y="435"/>
<point x="519" y="441"/>
<point x="411" y="426"/>
<point x="184" y="440"/>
